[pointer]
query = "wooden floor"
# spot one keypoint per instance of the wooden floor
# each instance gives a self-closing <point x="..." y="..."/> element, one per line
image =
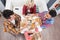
<point x="51" y="33"/>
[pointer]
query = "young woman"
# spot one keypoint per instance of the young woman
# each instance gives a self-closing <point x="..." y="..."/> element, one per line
<point x="29" y="7"/>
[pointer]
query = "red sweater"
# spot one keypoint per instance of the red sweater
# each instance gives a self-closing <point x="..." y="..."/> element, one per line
<point x="32" y="10"/>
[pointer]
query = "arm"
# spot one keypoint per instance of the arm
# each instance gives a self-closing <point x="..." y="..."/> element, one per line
<point x="34" y="8"/>
<point x="18" y="19"/>
<point x="9" y="29"/>
<point x="5" y="25"/>
<point x="47" y="23"/>
<point x="14" y="31"/>
<point x="24" y="10"/>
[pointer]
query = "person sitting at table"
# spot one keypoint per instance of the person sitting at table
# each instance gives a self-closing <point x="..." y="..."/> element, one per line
<point x="11" y="22"/>
<point x="47" y="18"/>
<point x="29" y="7"/>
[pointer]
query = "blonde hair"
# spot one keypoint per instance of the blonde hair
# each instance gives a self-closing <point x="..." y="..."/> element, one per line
<point x="30" y="2"/>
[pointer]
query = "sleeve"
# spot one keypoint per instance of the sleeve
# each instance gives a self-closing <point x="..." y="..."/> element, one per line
<point x="24" y="10"/>
<point x="18" y="18"/>
<point x="50" y="21"/>
<point x="8" y="4"/>
<point x="47" y="23"/>
<point x="34" y="8"/>
<point x="5" y="25"/>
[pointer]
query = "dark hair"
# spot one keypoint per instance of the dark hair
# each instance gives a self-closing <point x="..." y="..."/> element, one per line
<point x="53" y="13"/>
<point x="0" y="15"/>
<point x="7" y="13"/>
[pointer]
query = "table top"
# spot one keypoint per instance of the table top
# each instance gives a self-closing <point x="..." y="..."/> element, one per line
<point x="30" y="22"/>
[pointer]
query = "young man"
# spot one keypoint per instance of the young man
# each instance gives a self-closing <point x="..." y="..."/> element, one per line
<point x="29" y="7"/>
<point x="47" y="18"/>
<point x="11" y="22"/>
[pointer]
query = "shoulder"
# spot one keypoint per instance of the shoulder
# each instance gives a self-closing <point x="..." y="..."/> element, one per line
<point x="17" y="16"/>
<point x="25" y="6"/>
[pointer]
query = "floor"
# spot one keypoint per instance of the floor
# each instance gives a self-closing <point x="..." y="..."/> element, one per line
<point x="51" y="33"/>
